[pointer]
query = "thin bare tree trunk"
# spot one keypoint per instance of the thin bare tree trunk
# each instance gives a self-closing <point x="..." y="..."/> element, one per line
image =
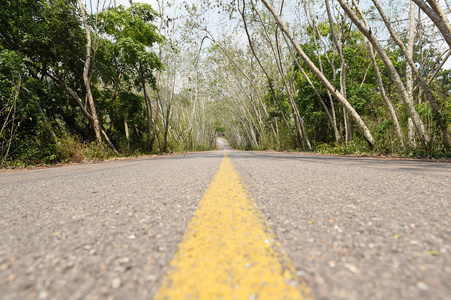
<point x="409" y="77"/>
<point x="131" y="8"/>
<point x="312" y="23"/>
<point x="148" y="115"/>
<point x="127" y="134"/>
<point x="86" y="78"/>
<point x="420" y="38"/>
<point x="124" y="114"/>
<point x="387" y="101"/>
<point x="166" y="122"/>
<point x="303" y="138"/>
<point x="155" y="122"/>
<point x="169" y="104"/>
<point x="339" y="45"/>
<point x="366" y="133"/>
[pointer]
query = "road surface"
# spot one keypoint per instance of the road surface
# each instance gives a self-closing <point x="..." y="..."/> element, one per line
<point x="350" y="228"/>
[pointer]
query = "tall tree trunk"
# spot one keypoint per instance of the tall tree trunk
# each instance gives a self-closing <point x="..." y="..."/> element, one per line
<point x="347" y="121"/>
<point x="86" y="77"/>
<point x="127" y="134"/>
<point x="339" y="47"/>
<point x="161" y="7"/>
<point x="420" y="46"/>
<point x="148" y="115"/>
<point x="409" y="77"/>
<point x="155" y="121"/>
<point x="366" y="133"/>
<point x="131" y="8"/>
<point x="302" y="135"/>
<point x="166" y="125"/>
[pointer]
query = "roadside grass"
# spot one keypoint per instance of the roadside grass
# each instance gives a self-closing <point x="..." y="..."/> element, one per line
<point x="71" y="149"/>
<point x="68" y="150"/>
<point x="360" y="148"/>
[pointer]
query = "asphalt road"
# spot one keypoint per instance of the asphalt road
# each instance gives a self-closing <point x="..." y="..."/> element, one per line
<point x="354" y="228"/>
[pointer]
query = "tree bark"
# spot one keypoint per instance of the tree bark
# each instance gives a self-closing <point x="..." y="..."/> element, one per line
<point x="127" y="134"/>
<point x="86" y="78"/>
<point x="409" y="78"/>
<point x="384" y="96"/>
<point x="154" y="129"/>
<point x="149" y="116"/>
<point x="131" y="8"/>
<point x="302" y="135"/>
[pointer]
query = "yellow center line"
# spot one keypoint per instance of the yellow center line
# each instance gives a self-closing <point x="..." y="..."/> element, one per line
<point x="229" y="250"/>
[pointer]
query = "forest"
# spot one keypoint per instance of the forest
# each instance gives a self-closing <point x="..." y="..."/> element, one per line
<point x="90" y="80"/>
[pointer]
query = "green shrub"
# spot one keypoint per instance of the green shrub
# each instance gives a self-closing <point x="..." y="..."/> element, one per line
<point x="98" y="151"/>
<point x="71" y="149"/>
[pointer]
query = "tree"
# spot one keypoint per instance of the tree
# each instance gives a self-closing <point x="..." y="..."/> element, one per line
<point x="132" y="34"/>
<point x="369" y="138"/>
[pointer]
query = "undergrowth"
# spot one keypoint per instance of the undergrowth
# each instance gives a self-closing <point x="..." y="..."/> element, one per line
<point x="69" y="149"/>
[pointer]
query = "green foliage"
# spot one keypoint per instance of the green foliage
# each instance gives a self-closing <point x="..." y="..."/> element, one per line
<point x="357" y="147"/>
<point x="127" y="41"/>
<point x="360" y="98"/>
<point x="11" y="69"/>
<point x="42" y="47"/>
<point x="71" y="149"/>
<point x="98" y="151"/>
<point x="219" y="127"/>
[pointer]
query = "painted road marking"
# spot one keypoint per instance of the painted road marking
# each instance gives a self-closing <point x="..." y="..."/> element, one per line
<point x="229" y="250"/>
